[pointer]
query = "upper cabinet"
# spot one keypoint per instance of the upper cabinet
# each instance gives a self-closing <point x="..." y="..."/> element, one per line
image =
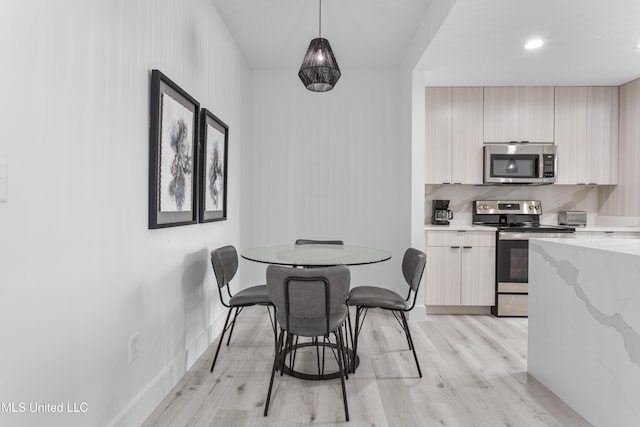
<point x="582" y="121"/>
<point x="519" y="114"/>
<point x="454" y="123"/>
<point x="586" y="135"/>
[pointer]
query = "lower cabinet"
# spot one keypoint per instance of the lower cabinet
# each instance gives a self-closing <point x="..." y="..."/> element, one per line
<point x="460" y="268"/>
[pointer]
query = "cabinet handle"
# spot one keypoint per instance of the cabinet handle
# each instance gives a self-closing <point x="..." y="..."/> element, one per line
<point x="592" y="183"/>
<point x="462" y="231"/>
<point x="457" y="183"/>
<point x="466" y="247"/>
<point x="446" y="183"/>
<point x="582" y="183"/>
<point x="455" y="247"/>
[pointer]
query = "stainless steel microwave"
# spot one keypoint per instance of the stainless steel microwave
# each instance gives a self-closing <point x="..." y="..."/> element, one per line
<point x="520" y="163"/>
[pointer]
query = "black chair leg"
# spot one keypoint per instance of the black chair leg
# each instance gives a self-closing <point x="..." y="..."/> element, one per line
<point x="355" y="338"/>
<point x="410" y="341"/>
<point x="352" y="363"/>
<point x="224" y="329"/>
<point x="276" y="361"/>
<point x="273" y="325"/>
<point x="343" y="347"/>
<point x="233" y="325"/>
<point x="342" y="368"/>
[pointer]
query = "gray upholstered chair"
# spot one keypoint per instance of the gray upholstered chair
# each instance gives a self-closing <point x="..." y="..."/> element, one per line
<point x="318" y="242"/>
<point x="311" y="303"/>
<point x="225" y="265"/>
<point x="366" y="297"/>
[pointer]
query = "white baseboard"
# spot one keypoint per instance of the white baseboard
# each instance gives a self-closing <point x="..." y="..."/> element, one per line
<point x="418" y="313"/>
<point x="137" y="411"/>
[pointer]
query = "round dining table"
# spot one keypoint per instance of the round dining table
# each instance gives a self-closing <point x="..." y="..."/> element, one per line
<point x="315" y="255"/>
<point x="309" y="256"/>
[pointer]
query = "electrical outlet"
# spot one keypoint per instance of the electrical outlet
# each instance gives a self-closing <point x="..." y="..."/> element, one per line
<point x="134" y="347"/>
<point x="558" y="202"/>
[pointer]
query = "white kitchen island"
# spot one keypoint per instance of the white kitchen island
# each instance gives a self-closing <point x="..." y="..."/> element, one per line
<point x="584" y="325"/>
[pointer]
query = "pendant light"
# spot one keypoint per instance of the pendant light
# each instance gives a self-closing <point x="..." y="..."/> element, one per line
<point x="319" y="71"/>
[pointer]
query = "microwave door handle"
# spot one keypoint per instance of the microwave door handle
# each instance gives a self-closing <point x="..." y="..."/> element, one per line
<point x="537" y="168"/>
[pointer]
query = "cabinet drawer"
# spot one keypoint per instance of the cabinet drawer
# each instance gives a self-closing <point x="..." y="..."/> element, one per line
<point x="513" y="305"/>
<point x="461" y="238"/>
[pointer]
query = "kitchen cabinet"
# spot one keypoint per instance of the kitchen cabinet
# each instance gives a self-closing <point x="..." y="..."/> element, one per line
<point x="623" y="200"/>
<point x="460" y="268"/>
<point x="586" y="135"/>
<point x="453" y="135"/>
<point x="519" y="114"/>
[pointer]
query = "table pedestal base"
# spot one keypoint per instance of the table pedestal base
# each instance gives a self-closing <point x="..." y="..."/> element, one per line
<point x="352" y="361"/>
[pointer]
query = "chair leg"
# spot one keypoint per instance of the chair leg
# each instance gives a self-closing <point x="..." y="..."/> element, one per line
<point x="356" y="336"/>
<point x="233" y="325"/>
<point x="273" y="325"/>
<point x="276" y="361"/>
<point x="342" y="368"/>
<point x="343" y="347"/>
<point x="224" y="329"/>
<point x="410" y="341"/>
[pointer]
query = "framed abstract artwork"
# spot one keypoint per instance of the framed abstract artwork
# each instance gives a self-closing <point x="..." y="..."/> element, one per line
<point x="213" y="168"/>
<point x="173" y="142"/>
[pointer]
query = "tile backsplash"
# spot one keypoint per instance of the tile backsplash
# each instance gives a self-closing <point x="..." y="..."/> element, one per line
<point x="554" y="199"/>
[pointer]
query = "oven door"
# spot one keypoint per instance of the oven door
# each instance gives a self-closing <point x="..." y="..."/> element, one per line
<point x="512" y="267"/>
<point x="512" y="271"/>
<point x="512" y="275"/>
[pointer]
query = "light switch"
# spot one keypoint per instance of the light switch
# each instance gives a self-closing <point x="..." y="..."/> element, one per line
<point x="4" y="180"/>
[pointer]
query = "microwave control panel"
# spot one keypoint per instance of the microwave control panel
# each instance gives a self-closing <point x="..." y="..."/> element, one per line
<point x="548" y="161"/>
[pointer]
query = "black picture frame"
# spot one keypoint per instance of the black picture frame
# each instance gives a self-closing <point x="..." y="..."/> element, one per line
<point x="213" y="165"/>
<point x="173" y="160"/>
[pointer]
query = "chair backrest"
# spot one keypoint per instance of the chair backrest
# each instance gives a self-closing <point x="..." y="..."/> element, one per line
<point x="309" y="301"/>
<point x="225" y="264"/>
<point x="319" y="242"/>
<point x="413" y="263"/>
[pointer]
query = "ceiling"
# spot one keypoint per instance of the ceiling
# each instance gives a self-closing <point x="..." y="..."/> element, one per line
<point x="587" y="42"/>
<point x="362" y="33"/>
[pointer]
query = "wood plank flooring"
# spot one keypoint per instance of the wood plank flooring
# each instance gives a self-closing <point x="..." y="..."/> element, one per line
<point x="474" y="374"/>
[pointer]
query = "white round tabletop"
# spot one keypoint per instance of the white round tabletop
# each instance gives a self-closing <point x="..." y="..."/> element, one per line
<point x="315" y="255"/>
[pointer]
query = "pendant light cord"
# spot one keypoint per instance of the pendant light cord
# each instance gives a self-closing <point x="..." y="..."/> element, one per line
<point x="320" y="21"/>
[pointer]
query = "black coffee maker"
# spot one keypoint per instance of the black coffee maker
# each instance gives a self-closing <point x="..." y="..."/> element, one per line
<point x="440" y="213"/>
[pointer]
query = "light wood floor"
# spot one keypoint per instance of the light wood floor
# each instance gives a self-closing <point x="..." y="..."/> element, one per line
<point x="474" y="374"/>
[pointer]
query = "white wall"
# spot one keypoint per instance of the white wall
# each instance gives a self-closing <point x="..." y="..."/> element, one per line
<point x="413" y="116"/>
<point x="79" y="270"/>
<point x="327" y="166"/>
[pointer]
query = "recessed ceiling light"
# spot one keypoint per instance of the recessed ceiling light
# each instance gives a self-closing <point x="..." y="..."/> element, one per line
<point x="533" y="44"/>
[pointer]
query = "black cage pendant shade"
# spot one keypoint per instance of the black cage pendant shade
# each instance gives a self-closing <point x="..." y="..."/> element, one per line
<point x="319" y="71"/>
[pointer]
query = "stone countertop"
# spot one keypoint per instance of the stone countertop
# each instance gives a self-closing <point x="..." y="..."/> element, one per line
<point x="458" y="227"/>
<point x="604" y="228"/>
<point x="623" y="246"/>
<point x="579" y="229"/>
<point x="584" y="325"/>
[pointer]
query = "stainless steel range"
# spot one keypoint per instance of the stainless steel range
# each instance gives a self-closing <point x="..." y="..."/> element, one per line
<point x="516" y="222"/>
